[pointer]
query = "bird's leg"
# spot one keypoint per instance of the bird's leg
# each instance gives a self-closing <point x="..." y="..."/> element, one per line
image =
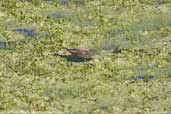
<point x="71" y="63"/>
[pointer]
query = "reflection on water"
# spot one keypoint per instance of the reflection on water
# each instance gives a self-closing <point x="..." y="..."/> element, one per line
<point x="67" y="2"/>
<point x="112" y="48"/>
<point x="145" y="78"/>
<point x="84" y="23"/>
<point x="136" y="41"/>
<point x="79" y="2"/>
<point x="138" y="34"/>
<point x="114" y="32"/>
<point x="29" y="33"/>
<point x="7" y="44"/>
<point x="104" y="107"/>
<point x="76" y="2"/>
<point x="2" y="44"/>
<point x="144" y="72"/>
<point x="56" y="15"/>
<point x="150" y="72"/>
<point x="64" y="2"/>
<point x="117" y="44"/>
<point x="150" y="23"/>
<point x="163" y="72"/>
<point x="26" y="32"/>
<point x="72" y="17"/>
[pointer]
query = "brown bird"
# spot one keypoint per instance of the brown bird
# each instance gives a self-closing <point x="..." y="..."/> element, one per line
<point x="84" y="53"/>
<point x="79" y="55"/>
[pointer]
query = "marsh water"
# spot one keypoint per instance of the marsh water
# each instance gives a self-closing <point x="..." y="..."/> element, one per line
<point x="131" y="36"/>
<point x="138" y="33"/>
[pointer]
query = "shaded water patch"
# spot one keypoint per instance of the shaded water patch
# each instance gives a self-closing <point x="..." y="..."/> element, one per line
<point x="144" y="77"/>
<point x="76" y="2"/>
<point x="7" y="44"/>
<point x="58" y="14"/>
<point x="64" y="2"/>
<point x="155" y="2"/>
<point x="161" y="72"/>
<point x="150" y="72"/>
<point x="67" y="2"/>
<point x="29" y="35"/>
<point x="116" y="44"/>
<point x="132" y="41"/>
<point x="62" y="91"/>
<point x="79" y="2"/>
<point x="27" y="32"/>
<point x="49" y="1"/>
<point x="142" y="34"/>
<point x="112" y="48"/>
<point x="146" y="22"/>
<point x="114" y="32"/>
<point x="78" y="107"/>
<point x="105" y="103"/>
<point x="104" y="107"/>
<point x="153" y="70"/>
<point x="144" y="73"/>
<point x="84" y="23"/>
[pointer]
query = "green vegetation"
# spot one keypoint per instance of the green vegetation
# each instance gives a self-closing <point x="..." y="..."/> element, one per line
<point x="132" y="38"/>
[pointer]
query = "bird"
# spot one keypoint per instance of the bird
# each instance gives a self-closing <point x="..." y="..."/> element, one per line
<point x="85" y="53"/>
<point x="78" y="54"/>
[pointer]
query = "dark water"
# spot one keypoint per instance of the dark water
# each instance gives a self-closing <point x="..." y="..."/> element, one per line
<point x="79" y="2"/>
<point x="144" y="78"/>
<point x="136" y="34"/>
<point x="58" y="14"/>
<point x="76" y="2"/>
<point x="69" y="16"/>
<point x="117" y="44"/>
<point x="29" y="35"/>
<point x="149" y="73"/>
<point x="64" y="2"/>
<point x="104" y="108"/>
<point x="27" y="32"/>
<point x="7" y="44"/>
<point x="84" y="22"/>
